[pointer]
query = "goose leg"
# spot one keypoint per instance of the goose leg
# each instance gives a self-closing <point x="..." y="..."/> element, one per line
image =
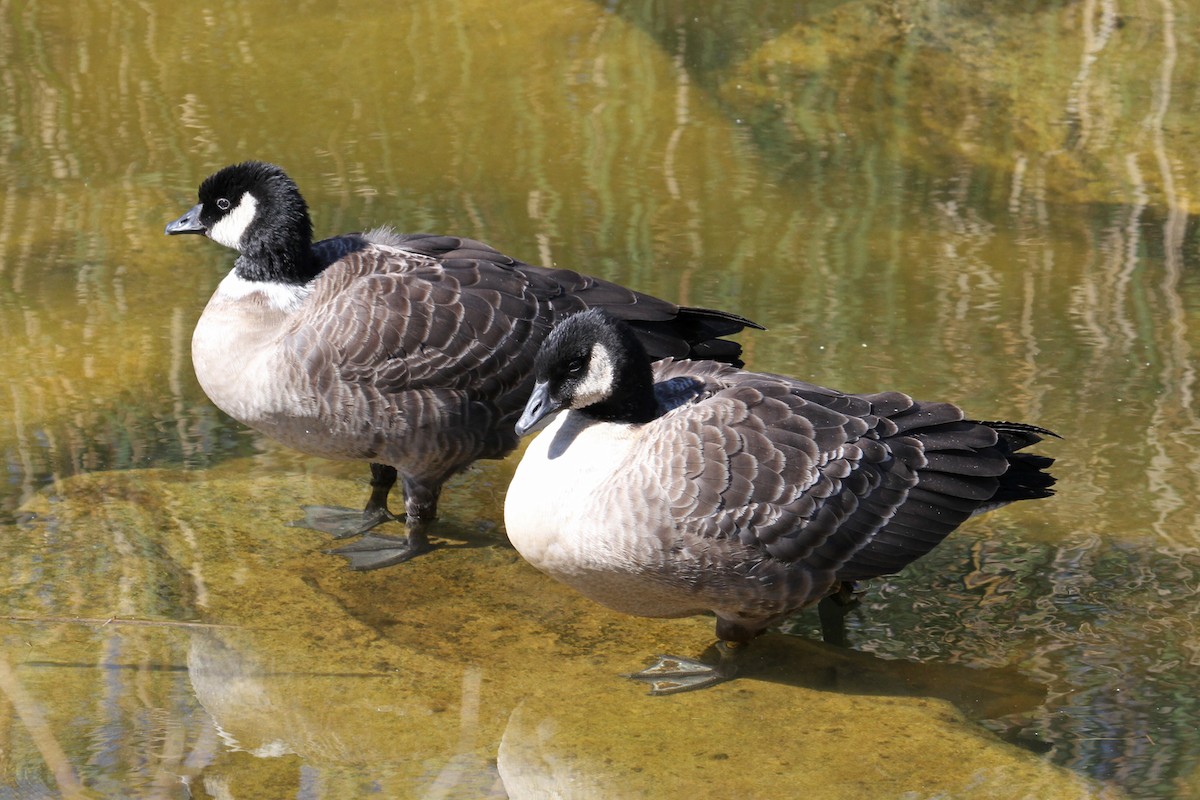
<point x="375" y="551"/>
<point x="832" y="611"/>
<point x="343" y="523"/>
<point x="672" y="674"/>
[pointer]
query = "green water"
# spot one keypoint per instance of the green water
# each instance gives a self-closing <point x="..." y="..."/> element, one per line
<point x="989" y="203"/>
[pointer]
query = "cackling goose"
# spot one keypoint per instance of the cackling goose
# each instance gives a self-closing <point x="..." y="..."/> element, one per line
<point x="685" y="487"/>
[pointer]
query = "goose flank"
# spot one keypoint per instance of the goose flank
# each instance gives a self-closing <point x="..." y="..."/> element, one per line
<point x="686" y="487"/>
<point x="413" y="353"/>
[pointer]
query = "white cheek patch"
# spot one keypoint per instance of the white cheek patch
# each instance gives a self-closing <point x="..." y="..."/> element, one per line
<point x="597" y="385"/>
<point x="286" y="297"/>
<point x="231" y="226"/>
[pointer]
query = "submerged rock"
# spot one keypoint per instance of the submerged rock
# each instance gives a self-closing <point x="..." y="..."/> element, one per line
<point x="185" y="596"/>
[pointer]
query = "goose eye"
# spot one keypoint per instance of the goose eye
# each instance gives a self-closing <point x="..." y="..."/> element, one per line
<point x="223" y="203"/>
<point x="575" y="366"/>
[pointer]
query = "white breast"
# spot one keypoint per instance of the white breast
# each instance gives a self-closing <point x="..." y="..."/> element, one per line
<point x="554" y="486"/>
<point x="236" y="350"/>
<point x="583" y="508"/>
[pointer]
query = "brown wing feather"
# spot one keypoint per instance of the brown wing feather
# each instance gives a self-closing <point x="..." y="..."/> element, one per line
<point x="849" y="486"/>
<point x="437" y="335"/>
<point x="458" y="314"/>
<point x="394" y="322"/>
<point x="763" y="465"/>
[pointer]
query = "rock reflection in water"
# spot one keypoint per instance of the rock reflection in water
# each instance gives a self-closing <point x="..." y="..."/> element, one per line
<point x="346" y="729"/>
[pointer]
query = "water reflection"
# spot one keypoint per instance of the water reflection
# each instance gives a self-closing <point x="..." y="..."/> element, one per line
<point x="343" y="685"/>
<point x="992" y="204"/>
<point x="272" y="715"/>
<point x="144" y="729"/>
<point x="1087" y="618"/>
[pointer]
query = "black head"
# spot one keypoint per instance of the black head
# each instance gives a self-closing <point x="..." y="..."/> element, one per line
<point x="593" y="363"/>
<point x="256" y="209"/>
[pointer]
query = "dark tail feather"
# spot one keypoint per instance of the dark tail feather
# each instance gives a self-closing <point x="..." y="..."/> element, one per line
<point x="694" y="333"/>
<point x="1027" y="477"/>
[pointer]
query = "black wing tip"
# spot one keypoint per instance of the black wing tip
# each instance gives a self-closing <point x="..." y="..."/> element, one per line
<point x="1015" y="432"/>
<point x="715" y="316"/>
<point x="691" y="333"/>
<point x="705" y="328"/>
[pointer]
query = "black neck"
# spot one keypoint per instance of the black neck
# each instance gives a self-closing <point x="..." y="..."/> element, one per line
<point x="278" y="265"/>
<point x="283" y="255"/>
<point x="632" y="399"/>
<point x="633" y="409"/>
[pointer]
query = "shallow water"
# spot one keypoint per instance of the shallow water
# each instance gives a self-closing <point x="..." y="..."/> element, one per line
<point x="992" y="206"/>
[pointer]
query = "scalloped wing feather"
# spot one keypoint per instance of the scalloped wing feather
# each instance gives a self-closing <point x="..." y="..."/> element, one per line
<point x="857" y="485"/>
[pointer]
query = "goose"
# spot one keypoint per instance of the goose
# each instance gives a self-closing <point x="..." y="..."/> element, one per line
<point x="413" y="353"/>
<point x="686" y="487"/>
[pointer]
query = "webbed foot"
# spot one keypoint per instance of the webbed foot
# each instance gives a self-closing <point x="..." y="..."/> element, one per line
<point x="342" y="523"/>
<point x="374" y="551"/>
<point x="673" y="674"/>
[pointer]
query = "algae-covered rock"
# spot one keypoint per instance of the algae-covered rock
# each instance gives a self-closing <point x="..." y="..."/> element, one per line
<point x="218" y="633"/>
